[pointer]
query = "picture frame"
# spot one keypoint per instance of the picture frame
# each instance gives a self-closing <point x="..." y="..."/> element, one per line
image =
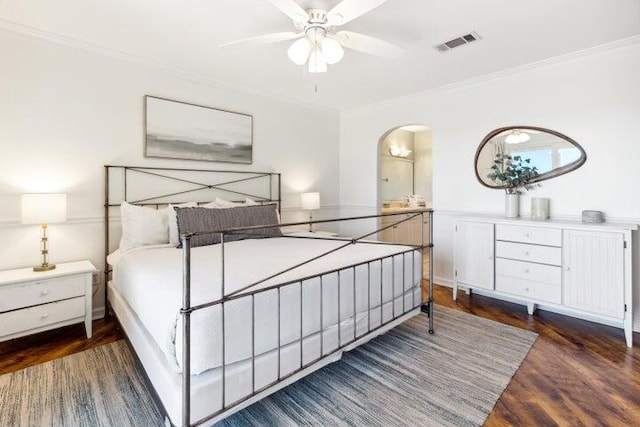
<point x="181" y="130"/>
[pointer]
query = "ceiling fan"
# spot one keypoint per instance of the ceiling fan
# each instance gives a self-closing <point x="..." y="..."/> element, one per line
<point x="318" y="41"/>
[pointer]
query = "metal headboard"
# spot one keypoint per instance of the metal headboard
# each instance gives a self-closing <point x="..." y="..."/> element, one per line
<point x="157" y="186"/>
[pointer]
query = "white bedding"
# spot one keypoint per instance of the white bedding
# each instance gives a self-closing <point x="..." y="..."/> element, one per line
<point x="150" y="280"/>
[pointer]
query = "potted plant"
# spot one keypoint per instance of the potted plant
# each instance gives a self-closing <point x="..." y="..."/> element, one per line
<point x="515" y="174"/>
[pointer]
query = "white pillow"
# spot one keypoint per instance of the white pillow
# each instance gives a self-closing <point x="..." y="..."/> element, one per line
<point x="210" y="205"/>
<point x="143" y="226"/>
<point x="174" y="237"/>
<point x="222" y="203"/>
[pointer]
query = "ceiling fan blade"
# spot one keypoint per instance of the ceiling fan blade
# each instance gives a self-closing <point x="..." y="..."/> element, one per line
<point x="292" y="9"/>
<point x="348" y="10"/>
<point x="366" y="44"/>
<point x="265" y="39"/>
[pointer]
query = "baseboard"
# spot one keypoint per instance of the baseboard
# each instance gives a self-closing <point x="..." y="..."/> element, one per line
<point x="443" y="281"/>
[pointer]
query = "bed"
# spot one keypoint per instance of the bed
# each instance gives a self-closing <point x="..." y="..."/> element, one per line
<point x="241" y="311"/>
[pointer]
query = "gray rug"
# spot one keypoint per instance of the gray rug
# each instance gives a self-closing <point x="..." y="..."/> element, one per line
<point x="405" y="377"/>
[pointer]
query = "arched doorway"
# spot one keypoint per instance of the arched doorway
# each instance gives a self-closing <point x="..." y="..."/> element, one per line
<point x="405" y="183"/>
<point x="404" y="165"/>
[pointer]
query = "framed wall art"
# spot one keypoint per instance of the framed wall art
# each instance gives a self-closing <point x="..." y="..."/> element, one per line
<point x="179" y="130"/>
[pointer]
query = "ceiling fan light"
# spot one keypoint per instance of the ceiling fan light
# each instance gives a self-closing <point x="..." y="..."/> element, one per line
<point x="332" y="51"/>
<point x="317" y="63"/>
<point x="299" y="51"/>
<point x="517" y="137"/>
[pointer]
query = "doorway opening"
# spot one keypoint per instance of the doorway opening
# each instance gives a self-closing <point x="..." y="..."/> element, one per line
<point x="405" y="184"/>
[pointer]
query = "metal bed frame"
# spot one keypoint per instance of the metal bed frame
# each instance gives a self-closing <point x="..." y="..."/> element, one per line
<point x="274" y="185"/>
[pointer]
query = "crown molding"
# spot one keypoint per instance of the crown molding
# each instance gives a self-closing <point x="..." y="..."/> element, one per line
<point x="25" y="31"/>
<point x="521" y="69"/>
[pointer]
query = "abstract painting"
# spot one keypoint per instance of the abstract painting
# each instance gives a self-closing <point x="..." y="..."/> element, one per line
<point x="179" y="130"/>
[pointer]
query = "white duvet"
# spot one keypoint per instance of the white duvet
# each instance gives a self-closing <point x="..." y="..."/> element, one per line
<point x="150" y="280"/>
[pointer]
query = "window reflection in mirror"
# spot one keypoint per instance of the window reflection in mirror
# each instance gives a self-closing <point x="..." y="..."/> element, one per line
<point x="551" y="152"/>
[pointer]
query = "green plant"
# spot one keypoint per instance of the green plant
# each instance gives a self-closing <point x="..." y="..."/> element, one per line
<point x="513" y="172"/>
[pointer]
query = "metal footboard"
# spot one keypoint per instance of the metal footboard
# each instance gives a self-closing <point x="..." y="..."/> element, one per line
<point x="250" y="292"/>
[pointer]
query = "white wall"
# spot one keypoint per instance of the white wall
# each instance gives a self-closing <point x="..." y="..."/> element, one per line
<point x="65" y="112"/>
<point x="592" y="97"/>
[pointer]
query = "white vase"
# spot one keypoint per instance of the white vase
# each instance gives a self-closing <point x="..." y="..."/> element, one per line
<point x="512" y="205"/>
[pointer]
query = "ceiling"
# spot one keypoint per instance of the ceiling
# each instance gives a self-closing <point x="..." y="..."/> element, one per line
<point x="185" y="34"/>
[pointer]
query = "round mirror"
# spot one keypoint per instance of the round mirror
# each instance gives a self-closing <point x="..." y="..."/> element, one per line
<point x="538" y="153"/>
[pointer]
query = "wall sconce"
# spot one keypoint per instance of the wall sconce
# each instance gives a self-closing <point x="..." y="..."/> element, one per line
<point x="44" y="209"/>
<point x="310" y="201"/>
<point x="396" y="151"/>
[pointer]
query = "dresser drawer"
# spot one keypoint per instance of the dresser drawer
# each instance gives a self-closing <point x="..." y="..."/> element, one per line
<point x="526" y="252"/>
<point x="39" y="292"/>
<point x="41" y="315"/>
<point x="548" y="274"/>
<point x="529" y="289"/>
<point x="524" y="234"/>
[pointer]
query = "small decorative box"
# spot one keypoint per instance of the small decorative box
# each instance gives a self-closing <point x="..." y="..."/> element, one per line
<point x="592" y="216"/>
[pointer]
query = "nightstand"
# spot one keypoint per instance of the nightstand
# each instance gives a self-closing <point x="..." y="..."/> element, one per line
<point x="32" y="301"/>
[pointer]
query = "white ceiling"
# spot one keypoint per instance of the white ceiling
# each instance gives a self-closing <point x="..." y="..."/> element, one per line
<point x="185" y="34"/>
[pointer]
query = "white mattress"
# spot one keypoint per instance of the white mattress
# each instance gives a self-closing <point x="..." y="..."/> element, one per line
<point x="150" y="280"/>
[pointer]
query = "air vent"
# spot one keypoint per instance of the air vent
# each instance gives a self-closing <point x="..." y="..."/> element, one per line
<point x="457" y="42"/>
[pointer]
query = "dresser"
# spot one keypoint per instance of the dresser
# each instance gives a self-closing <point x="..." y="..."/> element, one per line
<point x="578" y="269"/>
<point x="32" y="302"/>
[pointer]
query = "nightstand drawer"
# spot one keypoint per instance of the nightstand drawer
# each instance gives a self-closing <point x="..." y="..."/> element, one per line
<point x="40" y="316"/>
<point x="532" y="253"/>
<point x="40" y="292"/>
<point x="524" y="234"/>
<point x="529" y="289"/>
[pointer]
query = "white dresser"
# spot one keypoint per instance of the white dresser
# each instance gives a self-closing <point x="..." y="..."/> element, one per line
<point x="32" y="302"/>
<point x="577" y="269"/>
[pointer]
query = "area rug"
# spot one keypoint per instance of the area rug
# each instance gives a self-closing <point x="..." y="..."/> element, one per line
<point x="405" y="377"/>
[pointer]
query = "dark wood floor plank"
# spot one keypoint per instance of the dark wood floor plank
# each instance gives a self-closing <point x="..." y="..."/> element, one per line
<point x="27" y="351"/>
<point x="578" y="373"/>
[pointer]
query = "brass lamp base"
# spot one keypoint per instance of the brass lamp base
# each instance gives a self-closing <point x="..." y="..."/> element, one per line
<point x="44" y="240"/>
<point x="44" y="267"/>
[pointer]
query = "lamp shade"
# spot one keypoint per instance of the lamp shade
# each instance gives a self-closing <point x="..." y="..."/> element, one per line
<point x="317" y="63"/>
<point x="310" y="201"/>
<point x="299" y="51"/>
<point x="44" y="208"/>
<point x="332" y="51"/>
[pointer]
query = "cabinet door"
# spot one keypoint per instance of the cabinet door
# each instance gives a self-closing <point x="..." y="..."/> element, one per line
<point x="473" y="252"/>
<point x="386" y="235"/>
<point x="418" y="232"/>
<point x="593" y="275"/>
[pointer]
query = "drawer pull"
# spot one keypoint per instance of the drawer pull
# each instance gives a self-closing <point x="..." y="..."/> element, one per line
<point x="527" y="253"/>
<point x="44" y="292"/>
<point x="526" y="289"/>
<point x="44" y="315"/>
<point x="526" y="235"/>
<point x="526" y="271"/>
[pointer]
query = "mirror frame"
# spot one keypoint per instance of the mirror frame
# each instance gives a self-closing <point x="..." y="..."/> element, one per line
<point x="543" y="176"/>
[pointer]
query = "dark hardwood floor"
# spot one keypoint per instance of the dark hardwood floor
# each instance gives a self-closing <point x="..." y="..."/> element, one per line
<point x="23" y="352"/>
<point x="577" y="373"/>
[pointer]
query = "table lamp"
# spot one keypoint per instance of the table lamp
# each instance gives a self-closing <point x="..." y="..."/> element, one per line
<point x="44" y="209"/>
<point x="310" y="201"/>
